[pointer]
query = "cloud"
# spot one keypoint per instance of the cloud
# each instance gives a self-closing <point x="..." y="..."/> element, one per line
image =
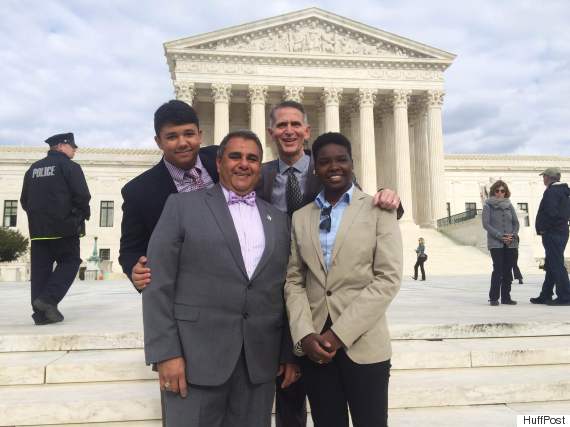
<point x="98" y="68"/>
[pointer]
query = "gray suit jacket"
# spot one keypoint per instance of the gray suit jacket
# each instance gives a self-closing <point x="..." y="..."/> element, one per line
<point x="202" y="305"/>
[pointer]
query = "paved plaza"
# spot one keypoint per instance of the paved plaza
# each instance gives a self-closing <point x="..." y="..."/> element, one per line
<point x="113" y="308"/>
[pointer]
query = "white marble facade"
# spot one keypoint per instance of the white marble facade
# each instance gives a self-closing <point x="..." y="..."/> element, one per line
<point x="383" y="91"/>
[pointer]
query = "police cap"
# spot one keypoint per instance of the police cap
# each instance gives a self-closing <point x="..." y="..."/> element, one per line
<point x="61" y="138"/>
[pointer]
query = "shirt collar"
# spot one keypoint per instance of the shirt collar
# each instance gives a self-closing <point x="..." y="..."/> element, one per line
<point x="346" y="197"/>
<point x="302" y="165"/>
<point x="179" y="175"/>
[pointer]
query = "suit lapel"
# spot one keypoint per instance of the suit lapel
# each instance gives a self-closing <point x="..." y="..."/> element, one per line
<point x="312" y="185"/>
<point x="165" y="179"/>
<point x="313" y="227"/>
<point x="269" y="231"/>
<point x="217" y="204"/>
<point x="269" y="179"/>
<point x="348" y="217"/>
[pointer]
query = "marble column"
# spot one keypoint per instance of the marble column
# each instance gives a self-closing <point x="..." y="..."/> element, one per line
<point x="322" y="125"/>
<point x="422" y="195"/>
<point x="413" y="160"/>
<point x="331" y="100"/>
<point x="293" y="93"/>
<point x="389" y="149"/>
<point x="185" y="91"/>
<point x="354" y="119"/>
<point x="221" y="94"/>
<point x="436" y="156"/>
<point x="380" y="149"/>
<point x="402" y="145"/>
<point x="366" y="99"/>
<point x="257" y="96"/>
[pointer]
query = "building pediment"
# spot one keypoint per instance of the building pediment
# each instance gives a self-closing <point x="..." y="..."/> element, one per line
<point x="310" y="32"/>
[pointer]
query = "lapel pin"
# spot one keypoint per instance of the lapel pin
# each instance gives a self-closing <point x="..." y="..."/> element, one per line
<point x="268" y="217"/>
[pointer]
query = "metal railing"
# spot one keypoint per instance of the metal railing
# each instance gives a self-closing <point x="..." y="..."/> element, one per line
<point x="457" y="218"/>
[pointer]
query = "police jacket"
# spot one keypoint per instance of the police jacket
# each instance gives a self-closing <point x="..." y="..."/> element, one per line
<point x="553" y="212"/>
<point x="55" y="197"/>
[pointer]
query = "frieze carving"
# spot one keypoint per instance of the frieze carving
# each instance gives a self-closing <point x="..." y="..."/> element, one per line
<point x="331" y="96"/>
<point x="221" y="92"/>
<point x="400" y="98"/>
<point x="185" y="91"/>
<point x="293" y="93"/>
<point x="214" y="67"/>
<point x="257" y="94"/>
<point x="311" y="36"/>
<point x="366" y="97"/>
<point x="434" y="98"/>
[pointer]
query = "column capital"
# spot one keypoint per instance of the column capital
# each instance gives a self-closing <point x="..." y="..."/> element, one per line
<point x="257" y="94"/>
<point x="366" y="97"/>
<point x="221" y="92"/>
<point x="400" y="98"/>
<point x="185" y="91"/>
<point x="434" y="98"/>
<point x="331" y="95"/>
<point x="293" y="93"/>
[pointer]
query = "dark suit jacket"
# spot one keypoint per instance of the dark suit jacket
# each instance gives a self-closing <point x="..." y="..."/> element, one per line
<point x="202" y="305"/>
<point x="313" y="185"/>
<point x="143" y="200"/>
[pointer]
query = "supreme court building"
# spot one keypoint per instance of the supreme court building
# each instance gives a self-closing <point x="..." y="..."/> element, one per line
<point x="383" y="91"/>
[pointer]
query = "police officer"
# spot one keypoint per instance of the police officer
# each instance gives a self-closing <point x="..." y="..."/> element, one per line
<point x="56" y="198"/>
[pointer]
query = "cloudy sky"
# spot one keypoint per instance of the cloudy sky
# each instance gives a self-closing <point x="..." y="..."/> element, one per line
<point x="97" y="67"/>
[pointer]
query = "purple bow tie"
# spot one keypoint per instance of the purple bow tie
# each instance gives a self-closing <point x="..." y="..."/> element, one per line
<point x="248" y="199"/>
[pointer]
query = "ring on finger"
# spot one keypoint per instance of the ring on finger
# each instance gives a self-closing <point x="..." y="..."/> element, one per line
<point x="166" y="385"/>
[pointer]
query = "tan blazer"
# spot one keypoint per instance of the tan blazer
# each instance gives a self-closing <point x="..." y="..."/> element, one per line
<point x="365" y="275"/>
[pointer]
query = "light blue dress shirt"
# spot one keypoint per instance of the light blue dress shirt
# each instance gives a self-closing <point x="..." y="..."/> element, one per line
<point x="328" y="239"/>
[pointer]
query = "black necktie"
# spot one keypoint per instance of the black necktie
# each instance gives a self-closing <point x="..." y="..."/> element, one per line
<point x="293" y="192"/>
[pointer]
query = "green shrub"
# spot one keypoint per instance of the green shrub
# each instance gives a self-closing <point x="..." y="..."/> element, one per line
<point x="12" y="244"/>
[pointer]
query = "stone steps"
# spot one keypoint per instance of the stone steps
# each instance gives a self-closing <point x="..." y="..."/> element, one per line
<point x="98" y="402"/>
<point x="23" y="368"/>
<point x="464" y="416"/>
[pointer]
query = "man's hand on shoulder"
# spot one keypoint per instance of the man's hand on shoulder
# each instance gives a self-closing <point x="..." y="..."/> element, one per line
<point x="172" y="376"/>
<point x="387" y="199"/>
<point x="140" y="275"/>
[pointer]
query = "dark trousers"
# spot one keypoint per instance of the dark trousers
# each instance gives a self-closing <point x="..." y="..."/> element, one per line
<point x="556" y="273"/>
<point x="364" y="387"/>
<point x="290" y="404"/>
<point x="48" y="283"/>
<point x="501" y="276"/>
<point x="516" y="270"/>
<point x="420" y="264"/>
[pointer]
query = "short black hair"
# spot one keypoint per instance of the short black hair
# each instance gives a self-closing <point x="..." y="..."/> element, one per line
<point x="240" y="133"/>
<point x="174" y="112"/>
<point x="331" y="138"/>
<point x="287" y="104"/>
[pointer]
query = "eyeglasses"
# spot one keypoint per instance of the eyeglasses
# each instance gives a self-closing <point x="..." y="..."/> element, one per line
<point x="325" y="223"/>
<point x="500" y="190"/>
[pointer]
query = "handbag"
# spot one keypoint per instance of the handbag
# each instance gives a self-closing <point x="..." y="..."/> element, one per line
<point x="423" y="257"/>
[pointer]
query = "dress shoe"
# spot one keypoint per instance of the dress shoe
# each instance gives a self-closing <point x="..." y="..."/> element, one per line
<point x="50" y="311"/>
<point x="44" y="321"/>
<point x="520" y="281"/>
<point x="415" y="278"/>
<point x="509" y="302"/>
<point x="559" y="301"/>
<point x="494" y="302"/>
<point x="540" y="300"/>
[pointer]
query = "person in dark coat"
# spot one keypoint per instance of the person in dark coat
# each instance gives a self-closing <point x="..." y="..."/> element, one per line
<point x="552" y="225"/>
<point x="56" y="198"/>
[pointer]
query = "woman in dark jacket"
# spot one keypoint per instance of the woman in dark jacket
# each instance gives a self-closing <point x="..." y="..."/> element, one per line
<point x="502" y="225"/>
